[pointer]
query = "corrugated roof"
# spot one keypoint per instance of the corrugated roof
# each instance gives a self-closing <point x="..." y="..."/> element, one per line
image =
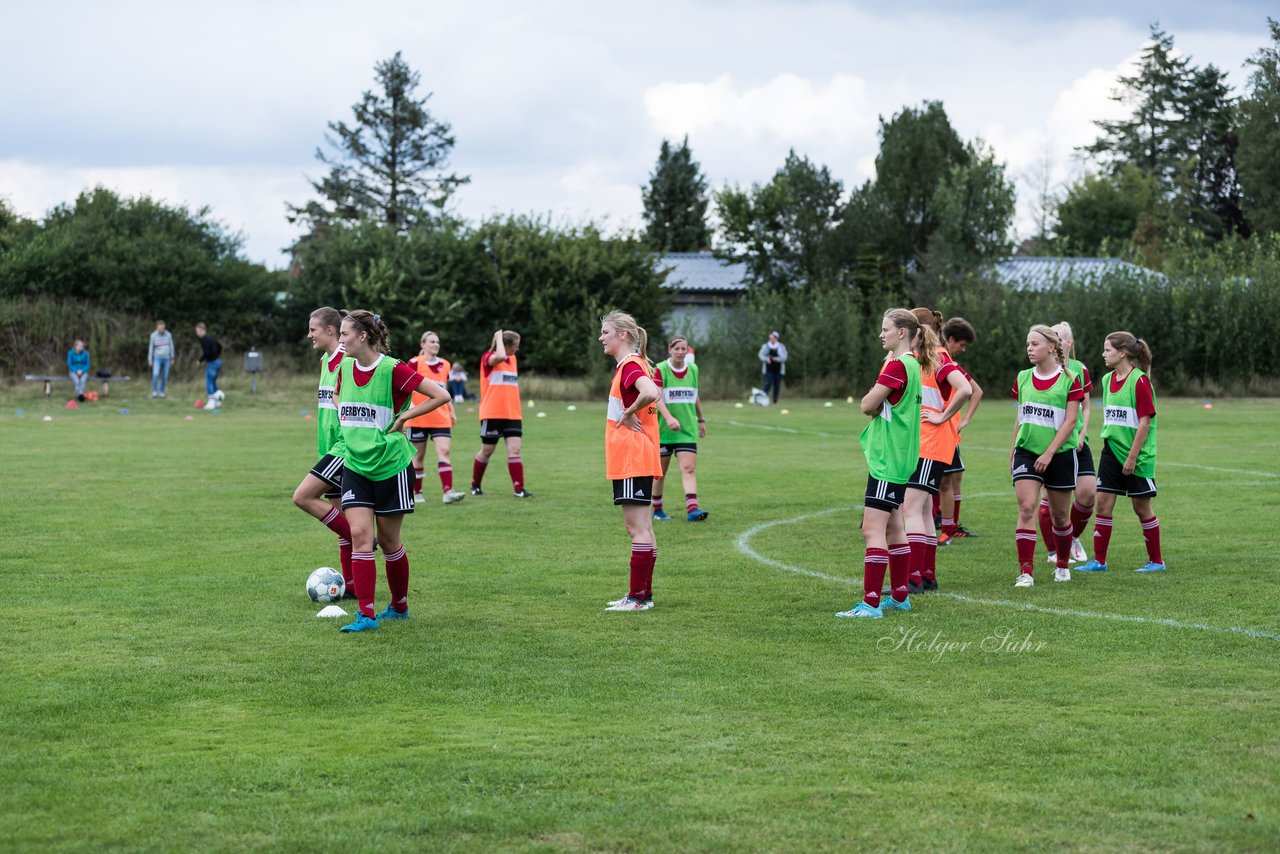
<point x="1036" y="273"/>
<point x="702" y="271"/>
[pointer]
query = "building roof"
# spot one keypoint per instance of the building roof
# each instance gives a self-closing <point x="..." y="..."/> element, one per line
<point x="1040" y="273"/>
<point x="702" y="272"/>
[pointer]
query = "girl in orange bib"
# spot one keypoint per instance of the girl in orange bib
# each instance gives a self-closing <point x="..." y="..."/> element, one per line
<point x="436" y="425"/>
<point x="631" y="454"/>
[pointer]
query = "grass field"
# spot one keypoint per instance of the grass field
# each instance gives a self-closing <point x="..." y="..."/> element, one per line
<point x="166" y="685"/>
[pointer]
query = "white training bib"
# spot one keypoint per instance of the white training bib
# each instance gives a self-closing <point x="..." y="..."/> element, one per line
<point x="1041" y="415"/>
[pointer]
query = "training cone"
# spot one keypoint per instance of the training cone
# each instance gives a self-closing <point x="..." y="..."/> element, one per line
<point x="191" y="418"/>
<point x="47" y="418"/>
<point x="71" y="404"/>
<point x="199" y="404"/>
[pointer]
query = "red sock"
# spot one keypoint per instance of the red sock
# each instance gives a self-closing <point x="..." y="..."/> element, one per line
<point x="1151" y="533"/>
<point x="477" y="471"/>
<point x="446" y="477"/>
<point x="899" y="563"/>
<point x="948" y="526"/>
<point x="955" y="512"/>
<point x="931" y="557"/>
<point x="1025" y="539"/>
<point x="641" y="569"/>
<point x="516" y="467"/>
<point x="1046" y="526"/>
<point x="873" y="568"/>
<point x="365" y="572"/>
<point x="657" y="503"/>
<point x="337" y="523"/>
<point x="648" y="581"/>
<point x="1101" y="537"/>
<point x="915" y="569"/>
<point x="398" y="578"/>
<point x="1079" y="518"/>
<point x="417" y="481"/>
<point x="1062" y="545"/>
<point x="690" y="502"/>
<point x="344" y="558"/>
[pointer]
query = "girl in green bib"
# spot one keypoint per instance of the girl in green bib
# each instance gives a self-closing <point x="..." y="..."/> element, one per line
<point x="320" y="490"/>
<point x="1127" y="464"/>
<point x="373" y="393"/>
<point x="680" y="426"/>
<point x="1043" y="454"/>
<point x="891" y="444"/>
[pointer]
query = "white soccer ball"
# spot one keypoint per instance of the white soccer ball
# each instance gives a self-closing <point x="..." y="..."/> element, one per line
<point x="220" y="395"/>
<point x="325" y="585"/>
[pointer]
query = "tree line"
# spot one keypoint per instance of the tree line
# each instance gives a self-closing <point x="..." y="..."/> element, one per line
<point x="1193" y="171"/>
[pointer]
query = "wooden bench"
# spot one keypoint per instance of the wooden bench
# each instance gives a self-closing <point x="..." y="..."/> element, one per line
<point x="49" y="380"/>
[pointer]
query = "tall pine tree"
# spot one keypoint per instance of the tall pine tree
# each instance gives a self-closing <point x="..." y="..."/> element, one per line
<point x="675" y="202"/>
<point x="390" y="164"/>
<point x="1259" y="154"/>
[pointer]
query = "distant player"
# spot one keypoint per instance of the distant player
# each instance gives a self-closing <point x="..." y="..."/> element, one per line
<point x="318" y="494"/>
<point x="938" y="442"/>
<point x="1086" y="475"/>
<point x="1043" y="454"/>
<point x="436" y="425"/>
<point x="891" y="444"/>
<point x="1127" y="464"/>
<point x="957" y="335"/>
<point x="373" y="394"/>
<point x="680" y="427"/>
<point x="631" y="455"/>
<point x="500" y="414"/>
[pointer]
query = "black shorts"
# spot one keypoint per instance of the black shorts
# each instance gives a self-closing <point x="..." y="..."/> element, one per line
<point x="1111" y="477"/>
<point x="956" y="465"/>
<point x="1084" y="462"/>
<point x="926" y="476"/>
<point x="329" y="469"/>
<point x="669" y="448"/>
<point x="633" y="490"/>
<point x="418" y="435"/>
<point x="1060" y="474"/>
<point x="492" y="429"/>
<point x="390" y="497"/>
<point x="882" y="495"/>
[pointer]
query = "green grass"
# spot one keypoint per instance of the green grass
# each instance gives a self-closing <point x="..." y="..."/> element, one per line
<point x="166" y="685"/>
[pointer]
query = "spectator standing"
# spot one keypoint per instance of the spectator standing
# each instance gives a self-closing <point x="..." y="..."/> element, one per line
<point x="211" y="355"/>
<point x="78" y="367"/>
<point x="773" y="362"/>
<point x="160" y="359"/>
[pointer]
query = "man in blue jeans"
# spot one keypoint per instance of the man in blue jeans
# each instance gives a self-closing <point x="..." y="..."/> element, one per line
<point x="160" y="358"/>
<point x="211" y="355"/>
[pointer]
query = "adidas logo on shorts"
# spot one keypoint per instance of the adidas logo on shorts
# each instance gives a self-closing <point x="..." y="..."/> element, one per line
<point x="1020" y="470"/>
<point x="639" y="493"/>
<point x="348" y="496"/>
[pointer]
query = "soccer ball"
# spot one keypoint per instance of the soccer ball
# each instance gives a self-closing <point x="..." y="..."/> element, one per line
<point x="325" y="585"/>
<point x="220" y="395"/>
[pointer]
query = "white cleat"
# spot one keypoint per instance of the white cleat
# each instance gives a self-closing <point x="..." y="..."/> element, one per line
<point x="1062" y="574"/>
<point x="1078" y="554"/>
<point x="626" y="603"/>
<point x="1025" y="580"/>
<point x="417" y="499"/>
<point x="1053" y="558"/>
<point x="453" y="497"/>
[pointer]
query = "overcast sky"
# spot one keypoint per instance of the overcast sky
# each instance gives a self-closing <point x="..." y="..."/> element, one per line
<point x="558" y="107"/>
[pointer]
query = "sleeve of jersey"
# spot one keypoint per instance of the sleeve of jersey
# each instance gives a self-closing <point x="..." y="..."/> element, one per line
<point x="1144" y="398"/>
<point x="1076" y="392"/>
<point x="944" y="371"/>
<point x="404" y="378"/>
<point x="485" y="367"/>
<point x="657" y="379"/>
<point x="1013" y="393"/>
<point x="894" y="375"/>
<point x="1086" y="381"/>
<point x="630" y="373"/>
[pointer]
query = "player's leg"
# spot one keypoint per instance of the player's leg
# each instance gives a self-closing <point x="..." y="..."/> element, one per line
<point x="515" y="466"/>
<point x="688" y="460"/>
<point x="659" y="485"/>
<point x="444" y="468"/>
<point x="488" y="444"/>
<point x="916" y="510"/>
<point x="419" y="441"/>
<point x="1027" y="492"/>
<point x="632" y="495"/>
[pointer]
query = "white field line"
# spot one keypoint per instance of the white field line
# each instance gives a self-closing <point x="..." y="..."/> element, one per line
<point x="796" y="431"/>
<point x="744" y="547"/>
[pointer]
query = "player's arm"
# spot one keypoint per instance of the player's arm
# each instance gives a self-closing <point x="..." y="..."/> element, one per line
<point x="960" y="391"/>
<point x="1059" y="438"/>
<point x="673" y="423"/>
<point x="499" y="351"/>
<point x="436" y="398"/>
<point x="1139" y="439"/>
<point x="874" y="399"/>
<point x="1084" y="424"/>
<point x="973" y="405"/>
<point x="702" y="422"/>
<point x="646" y="394"/>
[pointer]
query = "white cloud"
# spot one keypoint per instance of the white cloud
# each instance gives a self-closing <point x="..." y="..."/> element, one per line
<point x="787" y="107"/>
